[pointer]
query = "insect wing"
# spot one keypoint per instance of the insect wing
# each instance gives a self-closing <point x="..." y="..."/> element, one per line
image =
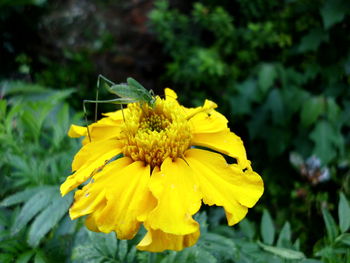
<point x="121" y="90"/>
<point x="144" y="94"/>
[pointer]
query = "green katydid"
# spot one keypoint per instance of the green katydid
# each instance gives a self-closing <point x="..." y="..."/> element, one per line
<point x="129" y="92"/>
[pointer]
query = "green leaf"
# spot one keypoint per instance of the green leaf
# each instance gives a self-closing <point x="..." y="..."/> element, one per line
<point x="334" y="11"/>
<point x="333" y="109"/>
<point x="343" y="213"/>
<point x="313" y="40"/>
<point x="276" y="105"/>
<point x="6" y="258"/>
<point x="20" y="197"/>
<point x="61" y="124"/>
<point x="266" y="77"/>
<point x="218" y="244"/>
<point x="296" y="244"/>
<point x="25" y="257"/>
<point x="131" y="255"/>
<point x="344" y="238"/>
<point x="331" y="226"/>
<point x="282" y="252"/>
<point x="32" y="207"/>
<point x="3" y="106"/>
<point x="311" y="110"/>
<point x="326" y="140"/>
<point x="49" y="218"/>
<point x="310" y="260"/>
<point x="247" y="228"/>
<point x="67" y="226"/>
<point x="39" y="257"/>
<point x="267" y="228"/>
<point x="105" y="244"/>
<point x="204" y="256"/>
<point x="122" y="249"/>
<point x="285" y="236"/>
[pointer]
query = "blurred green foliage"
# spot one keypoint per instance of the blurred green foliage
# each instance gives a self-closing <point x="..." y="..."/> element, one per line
<point x="279" y="71"/>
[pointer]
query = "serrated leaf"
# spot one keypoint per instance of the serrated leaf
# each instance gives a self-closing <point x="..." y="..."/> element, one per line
<point x="32" y="207"/>
<point x="282" y="252"/>
<point x="343" y="213"/>
<point x="20" y="197"/>
<point x="266" y="77"/>
<point x="267" y="228"/>
<point x="285" y="235"/>
<point x="48" y="218"/>
<point x="331" y="226"/>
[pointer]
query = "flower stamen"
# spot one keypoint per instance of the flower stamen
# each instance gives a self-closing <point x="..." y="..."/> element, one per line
<point x="153" y="134"/>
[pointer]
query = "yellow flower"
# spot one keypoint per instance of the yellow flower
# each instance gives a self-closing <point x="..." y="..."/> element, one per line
<point x="155" y="166"/>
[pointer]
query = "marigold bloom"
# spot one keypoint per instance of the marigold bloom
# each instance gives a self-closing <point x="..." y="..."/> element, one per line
<point x="155" y="166"/>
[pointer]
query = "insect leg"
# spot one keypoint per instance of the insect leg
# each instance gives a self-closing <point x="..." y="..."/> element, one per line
<point x="114" y="101"/>
<point x="97" y="90"/>
<point x="86" y="122"/>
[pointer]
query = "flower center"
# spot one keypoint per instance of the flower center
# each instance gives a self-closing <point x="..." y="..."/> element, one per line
<point x="153" y="134"/>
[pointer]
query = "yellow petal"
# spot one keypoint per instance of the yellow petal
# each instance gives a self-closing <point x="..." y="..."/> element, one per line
<point x="115" y="115"/>
<point x="178" y="198"/>
<point x="127" y="197"/>
<point x="90" y="221"/>
<point x="170" y="94"/>
<point x="225" y="185"/>
<point x="106" y="128"/>
<point x="93" y="194"/>
<point x="225" y="142"/>
<point x="208" y="122"/>
<point x="87" y="170"/>
<point x="76" y="131"/>
<point x="92" y="151"/>
<point x="207" y="107"/>
<point x="158" y="241"/>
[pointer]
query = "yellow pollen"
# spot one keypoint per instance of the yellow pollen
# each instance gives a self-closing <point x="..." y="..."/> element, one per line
<point x="153" y="134"/>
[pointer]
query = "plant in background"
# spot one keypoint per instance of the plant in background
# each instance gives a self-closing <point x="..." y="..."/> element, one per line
<point x="34" y="150"/>
<point x="281" y="70"/>
<point x="152" y="164"/>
